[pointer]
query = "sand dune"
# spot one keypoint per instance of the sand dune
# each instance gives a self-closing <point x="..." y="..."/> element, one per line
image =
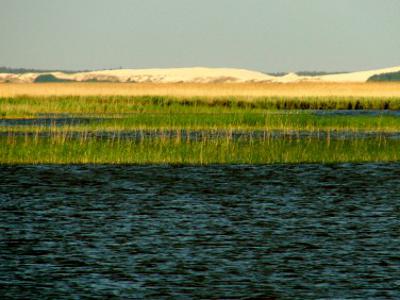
<point x="187" y="75"/>
<point x="194" y="75"/>
<point x="291" y="78"/>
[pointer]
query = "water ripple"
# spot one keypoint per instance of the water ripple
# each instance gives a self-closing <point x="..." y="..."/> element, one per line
<point x="277" y="231"/>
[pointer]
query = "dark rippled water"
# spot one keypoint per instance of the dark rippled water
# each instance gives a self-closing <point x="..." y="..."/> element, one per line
<point x="217" y="232"/>
<point x="48" y="121"/>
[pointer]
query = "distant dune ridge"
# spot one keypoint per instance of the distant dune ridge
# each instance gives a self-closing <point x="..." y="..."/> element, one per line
<point x="189" y="75"/>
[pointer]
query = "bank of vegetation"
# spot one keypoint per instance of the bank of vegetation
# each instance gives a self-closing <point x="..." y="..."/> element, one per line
<point x="387" y="77"/>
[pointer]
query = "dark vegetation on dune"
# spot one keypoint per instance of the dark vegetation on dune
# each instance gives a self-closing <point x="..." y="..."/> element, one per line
<point x="395" y="76"/>
<point x="46" y="78"/>
<point x="49" y="78"/>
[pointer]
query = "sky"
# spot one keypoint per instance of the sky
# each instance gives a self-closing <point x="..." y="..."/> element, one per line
<point x="263" y="35"/>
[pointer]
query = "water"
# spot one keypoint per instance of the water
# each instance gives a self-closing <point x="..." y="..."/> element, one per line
<point x="219" y="232"/>
<point x="360" y="112"/>
<point x="49" y="121"/>
<point x="194" y="135"/>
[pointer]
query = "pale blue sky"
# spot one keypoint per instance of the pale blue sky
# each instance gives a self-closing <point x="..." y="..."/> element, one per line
<point x="265" y="35"/>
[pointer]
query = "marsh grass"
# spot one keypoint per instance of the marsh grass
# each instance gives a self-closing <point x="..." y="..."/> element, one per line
<point x="188" y="90"/>
<point x="62" y="149"/>
<point x="121" y="113"/>
<point x="27" y="106"/>
<point x="71" y="143"/>
<point x="220" y="121"/>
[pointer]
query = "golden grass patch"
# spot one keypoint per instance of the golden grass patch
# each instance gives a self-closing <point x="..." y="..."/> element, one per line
<point x="250" y="90"/>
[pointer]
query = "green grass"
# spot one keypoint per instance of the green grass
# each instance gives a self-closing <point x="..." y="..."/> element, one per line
<point x="61" y="149"/>
<point x="66" y="144"/>
<point x="234" y="121"/>
<point x="27" y="106"/>
<point x="132" y="113"/>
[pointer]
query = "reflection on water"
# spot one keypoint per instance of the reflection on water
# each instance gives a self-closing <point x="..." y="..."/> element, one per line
<point x="274" y="231"/>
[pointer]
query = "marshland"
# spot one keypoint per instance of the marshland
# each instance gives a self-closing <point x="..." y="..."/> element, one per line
<point x="215" y="128"/>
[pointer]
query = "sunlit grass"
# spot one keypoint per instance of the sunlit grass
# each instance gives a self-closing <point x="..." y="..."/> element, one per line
<point x="246" y="90"/>
<point x="62" y="149"/>
<point x="220" y="121"/>
<point x="117" y="116"/>
<point x="25" y="106"/>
